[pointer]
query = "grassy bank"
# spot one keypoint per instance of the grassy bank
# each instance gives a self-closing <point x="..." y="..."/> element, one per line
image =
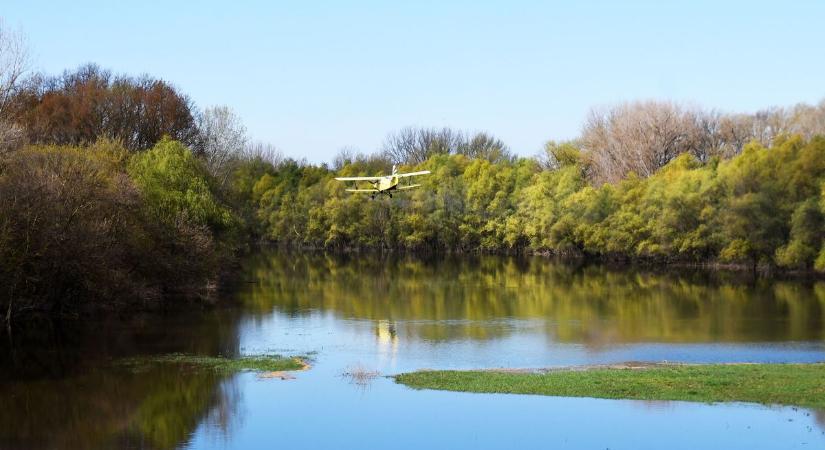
<point x="782" y="384"/>
<point x="259" y="363"/>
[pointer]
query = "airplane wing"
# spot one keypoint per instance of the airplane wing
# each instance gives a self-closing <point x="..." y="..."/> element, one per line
<point x="413" y="174"/>
<point x="409" y="186"/>
<point x="358" y="178"/>
<point x="363" y="190"/>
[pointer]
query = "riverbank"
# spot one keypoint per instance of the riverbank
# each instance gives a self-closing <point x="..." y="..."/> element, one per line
<point x="776" y="384"/>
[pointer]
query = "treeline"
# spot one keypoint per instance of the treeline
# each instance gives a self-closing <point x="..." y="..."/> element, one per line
<point x="763" y="207"/>
<point x="117" y="189"/>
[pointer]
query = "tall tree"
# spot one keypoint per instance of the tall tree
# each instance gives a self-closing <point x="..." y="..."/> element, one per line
<point x="14" y="61"/>
<point x="415" y="145"/>
<point x="485" y="146"/>
<point x="636" y="137"/>
<point x="81" y="106"/>
<point x="221" y="139"/>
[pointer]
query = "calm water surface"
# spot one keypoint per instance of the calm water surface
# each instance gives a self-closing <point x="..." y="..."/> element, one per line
<point x="59" y="388"/>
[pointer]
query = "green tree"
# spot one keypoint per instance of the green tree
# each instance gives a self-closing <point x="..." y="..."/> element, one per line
<point x="175" y="186"/>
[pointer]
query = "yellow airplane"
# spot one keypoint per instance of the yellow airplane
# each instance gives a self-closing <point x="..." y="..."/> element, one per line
<point x="385" y="184"/>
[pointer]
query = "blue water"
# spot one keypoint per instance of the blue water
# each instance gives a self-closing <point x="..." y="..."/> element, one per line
<point x="323" y="409"/>
<point x="393" y="316"/>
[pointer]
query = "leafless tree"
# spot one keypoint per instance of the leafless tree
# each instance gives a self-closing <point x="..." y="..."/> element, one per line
<point x="641" y="137"/>
<point x="735" y="130"/>
<point x="221" y="139"/>
<point x="769" y="123"/>
<point x="485" y="146"/>
<point x="345" y="155"/>
<point x="705" y="137"/>
<point x="370" y="164"/>
<point x="14" y="62"/>
<point x="638" y="137"/>
<point x="263" y="151"/>
<point x="415" y="145"/>
<point x="11" y="137"/>
<point x="807" y="120"/>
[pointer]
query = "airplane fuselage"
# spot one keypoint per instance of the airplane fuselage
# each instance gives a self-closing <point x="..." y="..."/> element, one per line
<point x="388" y="183"/>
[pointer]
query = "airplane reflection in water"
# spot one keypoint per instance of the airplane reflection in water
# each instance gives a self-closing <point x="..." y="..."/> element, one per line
<point x="386" y="338"/>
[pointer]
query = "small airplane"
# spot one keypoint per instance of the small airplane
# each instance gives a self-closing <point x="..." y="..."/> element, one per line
<point x="385" y="184"/>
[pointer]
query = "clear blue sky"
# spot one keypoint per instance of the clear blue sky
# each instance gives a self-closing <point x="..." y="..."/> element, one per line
<point x="314" y="76"/>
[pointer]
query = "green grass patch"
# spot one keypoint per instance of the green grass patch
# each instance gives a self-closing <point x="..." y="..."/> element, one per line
<point x="258" y="363"/>
<point x="780" y="384"/>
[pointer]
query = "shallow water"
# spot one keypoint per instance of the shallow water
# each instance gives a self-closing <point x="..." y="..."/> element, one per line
<point x="392" y="315"/>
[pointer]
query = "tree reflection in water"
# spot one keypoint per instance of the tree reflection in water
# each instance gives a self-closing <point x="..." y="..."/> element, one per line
<point x="156" y="408"/>
<point x="61" y="390"/>
<point x="480" y="298"/>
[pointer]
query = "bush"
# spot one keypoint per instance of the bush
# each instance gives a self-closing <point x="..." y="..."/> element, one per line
<point x="77" y="233"/>
<point x="176" y="186"/>
<point x="67" y="224"/>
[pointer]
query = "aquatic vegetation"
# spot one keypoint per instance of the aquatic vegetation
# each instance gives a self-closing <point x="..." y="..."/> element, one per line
<point x="257" y="363"/>
<point x="360" y="375"/>
<point x="776" y="384"/>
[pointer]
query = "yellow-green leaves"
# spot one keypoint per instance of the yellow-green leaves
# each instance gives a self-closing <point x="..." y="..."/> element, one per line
<point x="763" y="206"/>
<point x="175" y="186"/>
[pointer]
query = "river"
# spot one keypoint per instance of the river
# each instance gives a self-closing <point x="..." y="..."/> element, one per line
<point x="61" y="386"/>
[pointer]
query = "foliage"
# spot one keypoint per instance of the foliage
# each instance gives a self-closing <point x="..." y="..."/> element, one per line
<point x="762" y="207"/>
<point x="90" y="227"/>
<point x="128" y="193"/>
<point x="81" y="106"/>
<point x="67" y="227"/>
<point x="175" y="185"/>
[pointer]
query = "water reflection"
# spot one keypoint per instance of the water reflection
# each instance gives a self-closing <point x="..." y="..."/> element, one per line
<point x="158" y="408"/>
<point x="489" y="297"/>
<point x="53" y="350"/>
<point x="372" y="314"/>
<point x="60" y="388"/>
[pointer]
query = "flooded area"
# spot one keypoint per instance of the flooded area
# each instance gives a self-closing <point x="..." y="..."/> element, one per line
<point x="387" y="315"/>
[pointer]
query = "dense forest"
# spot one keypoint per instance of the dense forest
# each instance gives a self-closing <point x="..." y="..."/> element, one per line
<point x="118" y="190"/>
